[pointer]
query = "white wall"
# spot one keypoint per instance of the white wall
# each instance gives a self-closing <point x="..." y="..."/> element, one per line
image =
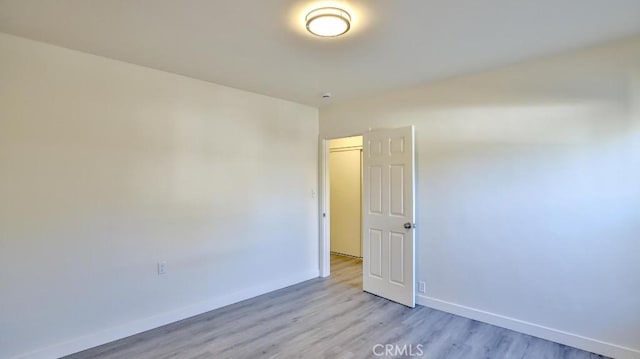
<point x="528" y="193"/>
<point x="107" y="168"/>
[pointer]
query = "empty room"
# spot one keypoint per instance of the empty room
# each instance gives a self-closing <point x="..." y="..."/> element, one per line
<point x="319" y="179"/>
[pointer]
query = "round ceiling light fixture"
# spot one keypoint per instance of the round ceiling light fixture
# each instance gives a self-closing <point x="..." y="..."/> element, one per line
<point x="328" y="21"/>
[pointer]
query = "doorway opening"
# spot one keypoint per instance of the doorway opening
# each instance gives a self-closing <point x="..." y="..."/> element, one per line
<point x="385" y="201"/>
<point x="344" y="169"/>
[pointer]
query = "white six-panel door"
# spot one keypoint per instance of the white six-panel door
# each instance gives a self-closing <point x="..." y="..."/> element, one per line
<point x="388" y="215"/>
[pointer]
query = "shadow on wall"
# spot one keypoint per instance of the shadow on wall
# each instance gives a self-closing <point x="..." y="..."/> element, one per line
<point x="527" y="187"/>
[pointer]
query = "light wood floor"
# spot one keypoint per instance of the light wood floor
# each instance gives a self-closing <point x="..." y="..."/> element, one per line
<point x="328" y="318"/>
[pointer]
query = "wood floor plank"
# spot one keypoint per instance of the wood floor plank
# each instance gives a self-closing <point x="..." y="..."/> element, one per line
<point x="328" y="318"/>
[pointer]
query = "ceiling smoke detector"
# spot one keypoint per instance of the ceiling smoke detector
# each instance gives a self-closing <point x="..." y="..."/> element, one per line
<point x="328" y="21"/>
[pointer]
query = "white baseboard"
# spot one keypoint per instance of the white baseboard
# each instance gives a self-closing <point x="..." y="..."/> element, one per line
<point x="138" y="326"/>
<point x="558" y="336"/>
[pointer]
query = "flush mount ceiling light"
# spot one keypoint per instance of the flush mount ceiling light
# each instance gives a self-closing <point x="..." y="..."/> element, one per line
<point x="328" y="21"/>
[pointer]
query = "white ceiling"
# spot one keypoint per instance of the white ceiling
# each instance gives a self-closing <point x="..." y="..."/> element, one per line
<point x="262" y="46"/>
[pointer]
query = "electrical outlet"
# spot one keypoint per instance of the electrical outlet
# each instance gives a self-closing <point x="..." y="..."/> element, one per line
<point x="162" y="268"/>
<point x="422" y="287"/>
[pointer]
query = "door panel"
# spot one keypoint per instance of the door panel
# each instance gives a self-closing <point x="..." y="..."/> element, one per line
<point x="375" y="250"/>
<point x="396" y="260"/>
<point x="396" y="190"/>
<point x="388" y="204"/>
<point x="375" y="190"/>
